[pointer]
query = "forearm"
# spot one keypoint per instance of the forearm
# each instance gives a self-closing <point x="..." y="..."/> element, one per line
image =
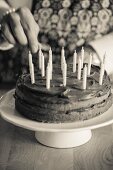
<point x="102" y="46"/>
<point x="99" y="48"/>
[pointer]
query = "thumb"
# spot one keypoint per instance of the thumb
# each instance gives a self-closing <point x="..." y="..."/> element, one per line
<point x="5" y="45"/>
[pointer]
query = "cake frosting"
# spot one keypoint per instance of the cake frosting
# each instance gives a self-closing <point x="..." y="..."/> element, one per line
<point x="59" y="103"/>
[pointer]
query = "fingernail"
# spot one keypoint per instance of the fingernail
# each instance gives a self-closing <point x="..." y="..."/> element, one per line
<point x="34" y="49"/>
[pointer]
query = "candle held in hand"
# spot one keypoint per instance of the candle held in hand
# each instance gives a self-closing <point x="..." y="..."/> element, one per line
<point x="30" y="59"/>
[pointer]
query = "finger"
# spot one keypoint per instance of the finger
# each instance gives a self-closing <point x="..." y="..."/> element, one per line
<point x="32" y="41"/>
<point x="36" y="27"/>
<point x="17" y="29"/>
<point x="7" y="33"/>
<point x="32" y="35"/>
<point x="5" y="45"/>
<point x="27" y="18"/>
<point x="30" y="27"/>
<point x="44" y="47"/>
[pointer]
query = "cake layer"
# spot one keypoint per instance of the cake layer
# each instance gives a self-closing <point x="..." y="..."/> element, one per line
<point x="59" y="104"/>
<point x="48" y="115"/>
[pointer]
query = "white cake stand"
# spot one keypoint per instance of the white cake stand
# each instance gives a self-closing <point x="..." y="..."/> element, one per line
<point x="58" y="135"/>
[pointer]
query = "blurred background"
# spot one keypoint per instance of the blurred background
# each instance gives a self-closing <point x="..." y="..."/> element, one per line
<point x="68" y="23"/>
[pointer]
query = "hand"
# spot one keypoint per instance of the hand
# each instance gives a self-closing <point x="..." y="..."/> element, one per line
<point x="96" y="61"/>
<point x="87" y="51"/>
<point x="20" y="27"/>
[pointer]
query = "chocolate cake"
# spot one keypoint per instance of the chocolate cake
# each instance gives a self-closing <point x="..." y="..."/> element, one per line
<point x="59" y="103"/>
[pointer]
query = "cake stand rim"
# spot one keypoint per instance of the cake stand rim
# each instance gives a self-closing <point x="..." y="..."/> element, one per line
<point x="47" y="126"/>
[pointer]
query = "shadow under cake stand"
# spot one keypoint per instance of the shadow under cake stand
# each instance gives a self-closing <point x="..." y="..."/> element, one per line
<point x="58" y="135"/>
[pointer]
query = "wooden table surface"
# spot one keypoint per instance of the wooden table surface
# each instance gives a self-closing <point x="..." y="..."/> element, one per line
<point x="19" y="150"/>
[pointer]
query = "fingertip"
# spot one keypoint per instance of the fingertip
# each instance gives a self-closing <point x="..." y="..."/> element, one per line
<point x="24" y="42"/>
<point x="34" y="48"/>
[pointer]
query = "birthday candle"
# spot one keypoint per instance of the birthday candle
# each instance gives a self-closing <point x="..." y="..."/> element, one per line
<point x="84" y="77"/>
<point x="50" y="57"/>
<point x="48" y="77"/>
<point x="51" y="64"/>
<point x="102" y="67"/>
<point x="89" y="64"/>
<point x="63" y="52"/>
<point x="79" y="68"/>
<point x="40" y="56"/>
<point x="62" y="57"/>
<point x="42" y="66"/>
<point x="63" y="64"/>
<point x="32" y="74"/>
<point x="64" y="67"/>
<point x="74" y="61"/>
<point x="30" y="59"/>
<point x="101" y="74"/>
<point x="50" y="71"/>
<point x="31" y="68"/>
<point x="82" y="57"/>
<point x="64" y="73"/>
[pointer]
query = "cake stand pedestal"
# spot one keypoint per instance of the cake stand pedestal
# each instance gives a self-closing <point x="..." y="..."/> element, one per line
<point x="63" y="139"/>
<point x="58" y="135"/>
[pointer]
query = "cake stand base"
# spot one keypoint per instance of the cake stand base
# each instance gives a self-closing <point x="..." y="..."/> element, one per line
<point x="63" y="139"/>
